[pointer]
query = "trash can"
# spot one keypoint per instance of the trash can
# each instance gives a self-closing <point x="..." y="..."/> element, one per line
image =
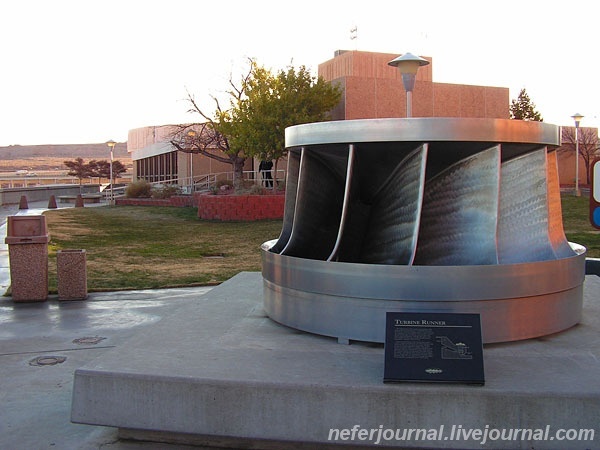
<point x="27" y="238"/>
<point x="71" y="274"/>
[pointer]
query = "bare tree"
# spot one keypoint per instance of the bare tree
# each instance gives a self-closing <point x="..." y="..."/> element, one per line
<point x="213" y="133"/>
<point x="77" y="168"/>
<point x="588" y="145"/>
<point x="203" y="139"/>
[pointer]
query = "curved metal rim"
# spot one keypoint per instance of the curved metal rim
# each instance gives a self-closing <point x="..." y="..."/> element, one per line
<point x="423" y="129"/>
<point x="444" y="283"/>
<point x="363" y="319"/>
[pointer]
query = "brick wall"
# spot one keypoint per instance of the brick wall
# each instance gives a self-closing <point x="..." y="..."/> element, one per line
<point x="373" y="89"/>
<point x="239" y="207"/>
<point x="220" y="207"/>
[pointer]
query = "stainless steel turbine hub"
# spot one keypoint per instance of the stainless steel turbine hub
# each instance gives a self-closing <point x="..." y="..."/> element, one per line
<point x="427" y="215"/>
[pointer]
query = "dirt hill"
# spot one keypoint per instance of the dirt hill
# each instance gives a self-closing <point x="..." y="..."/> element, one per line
<point x="51" y="157"/>
<point x="68" y="151"/>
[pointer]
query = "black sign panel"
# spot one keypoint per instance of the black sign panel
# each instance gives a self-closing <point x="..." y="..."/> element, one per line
<point x="595" y="194"/>
<point x="442" y="347"/>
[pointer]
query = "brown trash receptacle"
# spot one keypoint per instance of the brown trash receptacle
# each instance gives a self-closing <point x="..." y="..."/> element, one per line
<point x="27" y="238"/>
<point x="71" y="274"/>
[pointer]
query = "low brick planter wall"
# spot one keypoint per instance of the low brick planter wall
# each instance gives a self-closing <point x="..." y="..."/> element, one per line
<point x="177" y="201"/>
<point x="240" y="207"/>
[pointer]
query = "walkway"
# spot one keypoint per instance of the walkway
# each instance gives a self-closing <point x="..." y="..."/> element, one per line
<point x="42" y="344"/>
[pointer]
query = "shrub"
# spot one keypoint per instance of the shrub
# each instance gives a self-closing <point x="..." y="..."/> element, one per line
<point x="165" y="191"/>
<point x="247" y="184"/>
<point x="138" y="189"/>
<point x="221" y="183"/>
<point x="255" y="189"/>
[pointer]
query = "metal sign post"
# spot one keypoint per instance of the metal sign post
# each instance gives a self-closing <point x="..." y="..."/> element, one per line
<point x="595" y="194"/>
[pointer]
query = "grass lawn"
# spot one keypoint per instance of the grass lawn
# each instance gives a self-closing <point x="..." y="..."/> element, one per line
<point x="130" y="247"/>
<point x="576" y="221"/>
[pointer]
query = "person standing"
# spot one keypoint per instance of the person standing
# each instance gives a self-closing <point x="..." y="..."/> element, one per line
<point x="265" y="168"/>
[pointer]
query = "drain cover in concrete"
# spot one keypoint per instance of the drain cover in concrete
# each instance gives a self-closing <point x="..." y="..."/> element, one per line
<point x="47" y="360"/>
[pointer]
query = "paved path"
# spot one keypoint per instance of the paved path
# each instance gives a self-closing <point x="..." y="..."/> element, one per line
<point x="41" y="345"/>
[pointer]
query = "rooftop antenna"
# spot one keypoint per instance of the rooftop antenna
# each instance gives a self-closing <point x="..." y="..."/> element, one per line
<point x="354" y="34"/>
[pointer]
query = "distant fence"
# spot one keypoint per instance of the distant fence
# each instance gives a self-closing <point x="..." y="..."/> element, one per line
<point x="31" y="179"/>
<point x="12" y="196"/>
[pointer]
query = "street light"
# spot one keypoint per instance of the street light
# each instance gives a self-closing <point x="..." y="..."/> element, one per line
<point x="408" y="65"/>
<point x="111" y="144"/>
<point x="577" y="118"/>
<point x="191" y="135"/>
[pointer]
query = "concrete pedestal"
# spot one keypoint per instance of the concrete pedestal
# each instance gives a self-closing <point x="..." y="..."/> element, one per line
<point x="219" y="372"/>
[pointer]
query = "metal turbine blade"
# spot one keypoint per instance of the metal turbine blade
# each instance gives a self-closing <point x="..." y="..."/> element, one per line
<point x="318" y="208"/>
<point x="523" y="210"/>
<point x="558" y="240"/>
<point x="391" y="236"/>
<point x="291" y="194"/>
<point x="459" y="217"/>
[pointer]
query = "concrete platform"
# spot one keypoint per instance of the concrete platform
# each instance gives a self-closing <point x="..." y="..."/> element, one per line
<point x="35" y="393"/>
<point x="218" y="372"/>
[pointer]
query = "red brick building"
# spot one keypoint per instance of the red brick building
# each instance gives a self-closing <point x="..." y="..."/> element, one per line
<point x="372" y="89"/>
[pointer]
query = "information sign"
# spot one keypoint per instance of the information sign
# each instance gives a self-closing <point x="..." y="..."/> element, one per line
<point x="440" y="347"/>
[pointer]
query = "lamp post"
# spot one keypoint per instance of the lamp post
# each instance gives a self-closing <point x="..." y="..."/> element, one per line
<point x="577" y="118"/>
<point x="408" y="64"/>
<point x="111" y="145"/>
<point x="191" y="135"/>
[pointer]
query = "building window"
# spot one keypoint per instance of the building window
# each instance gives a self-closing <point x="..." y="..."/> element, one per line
<point x="158" y="168"/>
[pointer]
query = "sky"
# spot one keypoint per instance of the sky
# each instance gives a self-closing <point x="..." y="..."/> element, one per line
<point x="87" y="71"/>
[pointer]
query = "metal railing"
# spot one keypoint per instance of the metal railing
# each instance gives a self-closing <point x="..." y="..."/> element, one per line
<point x="206" y="182"/>
<point x="115" y="192"/>
<point x="9" y="181"/>
<point x="248" y="176"/>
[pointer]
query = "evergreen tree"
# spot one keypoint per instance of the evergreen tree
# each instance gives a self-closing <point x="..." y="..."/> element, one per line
<point x="524" y="109"/>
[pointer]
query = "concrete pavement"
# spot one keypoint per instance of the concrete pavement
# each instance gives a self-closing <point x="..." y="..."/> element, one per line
<point x="42" y="344"/>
